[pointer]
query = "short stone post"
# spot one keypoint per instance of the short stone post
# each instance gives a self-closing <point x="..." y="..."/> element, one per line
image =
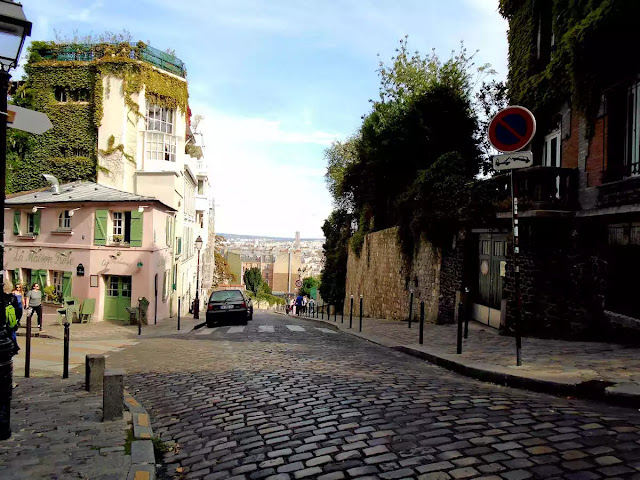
<point x="113" y="394"/>
<point x="94" y="372"/>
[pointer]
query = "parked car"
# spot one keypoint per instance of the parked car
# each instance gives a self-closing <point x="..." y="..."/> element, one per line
<point x="229" y="306"/>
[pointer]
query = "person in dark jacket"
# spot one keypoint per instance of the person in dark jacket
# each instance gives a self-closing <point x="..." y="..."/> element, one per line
<point x="10" y="299"/>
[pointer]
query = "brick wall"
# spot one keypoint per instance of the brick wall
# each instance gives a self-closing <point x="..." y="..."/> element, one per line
<point x="594" y="164"/>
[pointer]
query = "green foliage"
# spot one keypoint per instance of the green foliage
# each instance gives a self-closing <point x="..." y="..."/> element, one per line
<point x="253" y="279"/>
<point x="112" y="148"/>
<point x="267" y="298"/>
<point x="337" y="231"/>
<point x="589" y="54"/>
<point x="308" y="283"/>
<point x="222" y="273"/>
<point x="265" y="288"/>
<point x="26" y="174"/>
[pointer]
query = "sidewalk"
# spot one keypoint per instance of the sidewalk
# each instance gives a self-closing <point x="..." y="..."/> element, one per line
<point x="586" y="369"/>
<point x="58" y="433"/>
<point x="108" y="330"/>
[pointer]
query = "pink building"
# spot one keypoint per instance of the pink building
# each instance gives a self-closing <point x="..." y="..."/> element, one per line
<point x="93" y="241"/>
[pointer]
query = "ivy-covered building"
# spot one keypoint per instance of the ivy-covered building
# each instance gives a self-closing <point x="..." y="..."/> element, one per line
<point x="580" y="204"/>
<point x="121" y="117"/>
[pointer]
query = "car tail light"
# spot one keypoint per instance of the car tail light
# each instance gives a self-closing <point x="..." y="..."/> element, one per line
<point x="243" y="305"/>
<point x="210" y="307"/>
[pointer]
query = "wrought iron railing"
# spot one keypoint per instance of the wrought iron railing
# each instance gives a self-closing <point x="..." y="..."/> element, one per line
<point x="539" y="188"/>
<point x="89" y="52"/>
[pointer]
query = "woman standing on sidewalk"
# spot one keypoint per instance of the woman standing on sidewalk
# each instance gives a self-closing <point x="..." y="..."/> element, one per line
<point x="34" y="300"/>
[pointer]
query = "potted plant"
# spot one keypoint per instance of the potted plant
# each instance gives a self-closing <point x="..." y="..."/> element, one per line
<point x="117" y="238"/>
<point x="50" y="294"/>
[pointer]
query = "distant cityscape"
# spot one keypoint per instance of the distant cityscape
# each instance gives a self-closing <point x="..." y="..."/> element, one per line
<point x="282" y="260"/>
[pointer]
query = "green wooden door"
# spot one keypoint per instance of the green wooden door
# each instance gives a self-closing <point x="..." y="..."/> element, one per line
<point x="492" y="253"/>
<point x="117" y="298"/>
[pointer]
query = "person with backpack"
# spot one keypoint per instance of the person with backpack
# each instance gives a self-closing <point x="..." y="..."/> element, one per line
<point x="13" y="313"/>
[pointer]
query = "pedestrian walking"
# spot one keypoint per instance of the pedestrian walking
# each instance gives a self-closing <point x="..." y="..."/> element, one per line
<point x="13" y="312"/>
<point x="34" y="301"/>
<point x="298" y="305"/>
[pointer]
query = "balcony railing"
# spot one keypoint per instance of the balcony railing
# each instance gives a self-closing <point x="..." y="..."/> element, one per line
<point x="89" y="52"/>
<point x="619" y="193"/>
<point x="539" y="188"/>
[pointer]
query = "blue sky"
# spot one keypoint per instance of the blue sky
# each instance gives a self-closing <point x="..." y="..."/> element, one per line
<point x="278" y="80"/>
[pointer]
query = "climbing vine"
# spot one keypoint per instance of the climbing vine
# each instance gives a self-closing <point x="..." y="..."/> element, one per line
<point x="589" y="54"/>
<point x="66" y="81"/>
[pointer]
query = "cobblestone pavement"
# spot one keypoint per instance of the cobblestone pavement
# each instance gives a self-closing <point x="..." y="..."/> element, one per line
<point x="588" y="360"/>
<point x="58" y="434"/>
<point x="270" y="401"/>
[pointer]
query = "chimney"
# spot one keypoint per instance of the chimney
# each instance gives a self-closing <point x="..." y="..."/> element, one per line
<point x="55" y="185"/>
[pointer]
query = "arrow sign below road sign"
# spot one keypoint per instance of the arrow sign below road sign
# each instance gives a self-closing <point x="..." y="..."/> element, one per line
<point x="511" y="161"/>
<point x="512" y="129"/>
<point x="27" y="120"/>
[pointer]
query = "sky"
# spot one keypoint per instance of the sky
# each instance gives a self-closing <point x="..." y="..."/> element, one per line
<point x="278" y="80"/>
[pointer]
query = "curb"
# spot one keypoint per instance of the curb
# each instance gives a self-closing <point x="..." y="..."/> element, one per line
<point x="143" y="461"/>
<point x="621" y="394"/>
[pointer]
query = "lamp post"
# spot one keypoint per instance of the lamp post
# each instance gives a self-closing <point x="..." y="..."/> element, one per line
<point x="14" y="27"/>
<point x="196" y="307"/>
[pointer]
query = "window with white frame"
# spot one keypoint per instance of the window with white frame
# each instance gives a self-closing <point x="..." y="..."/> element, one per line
<point x="118" y="224"/>
<point x="64" y="221"/>
<point x="160" y="141"/>
<point x="551" y="152"/>
<point x="632" y="143"/>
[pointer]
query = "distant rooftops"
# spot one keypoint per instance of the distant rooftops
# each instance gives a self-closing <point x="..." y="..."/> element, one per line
<point x="78" y="192"/>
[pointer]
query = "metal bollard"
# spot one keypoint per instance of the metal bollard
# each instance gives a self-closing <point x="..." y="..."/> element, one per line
<point x="6" y="384"/>
<point x="139" y="323"/>
<point x="351" y="313"/>
<point x="27" y="357"/>
<point x="65" y="367"/>
<point x="335" y="313"/>
<point x="421" y="323"/>
<point x="178" y="313"/>
<point x="323" y="311"/>
<point x="410" y="308"/>
<point x="459" y="349"/>
<point x="466" y="320"/>
<point x="360" y="330"/>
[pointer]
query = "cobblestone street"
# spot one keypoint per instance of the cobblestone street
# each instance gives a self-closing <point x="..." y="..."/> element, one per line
<point x="287" y="398"/>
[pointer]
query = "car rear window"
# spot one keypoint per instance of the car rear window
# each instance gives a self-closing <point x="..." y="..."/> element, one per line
<point x="225" y="295"/>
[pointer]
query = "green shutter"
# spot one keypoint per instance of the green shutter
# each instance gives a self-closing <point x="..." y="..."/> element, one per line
<point x="16" y="222"/>
<point x="41" y="276"/>
<point x="168" y="230"/>
<point x="136" y="228"/>
<point x="36" y="222"/>
<point x="66" y="284"/>
<point x="16" y="276"/>
<point x="100" y="230"/>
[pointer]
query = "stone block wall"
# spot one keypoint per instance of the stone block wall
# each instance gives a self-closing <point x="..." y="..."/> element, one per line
<point x="380" y="275"/>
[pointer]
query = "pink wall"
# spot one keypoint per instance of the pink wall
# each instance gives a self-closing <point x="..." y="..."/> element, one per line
<point x="52" y="250"/>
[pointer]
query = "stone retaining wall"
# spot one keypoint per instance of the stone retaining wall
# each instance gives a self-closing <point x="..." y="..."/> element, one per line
<point x="379" y="274"/>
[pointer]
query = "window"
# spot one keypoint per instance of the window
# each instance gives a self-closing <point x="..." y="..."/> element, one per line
<point x="61" y="94"/>
<point x="551" y="152"/>
<point x="31" y="223"/>
<point x="485" y="247"/>
<point x="200" y="187"/>
<point x="160" y="141"/>
<point x="118" y="227"/>
<point x="56" y="281"/>
<point x="112" y="287"/>
<point x="624" y="234"/>
<point x="64" y="221"/>
<point x="632" y="141"/>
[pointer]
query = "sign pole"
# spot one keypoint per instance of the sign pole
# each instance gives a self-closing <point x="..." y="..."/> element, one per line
<point x="516" y="269"/>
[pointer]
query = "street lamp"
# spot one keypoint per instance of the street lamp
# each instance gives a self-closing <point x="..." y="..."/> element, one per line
<point x="14" y="27"/>
<point x="196" y="307"/>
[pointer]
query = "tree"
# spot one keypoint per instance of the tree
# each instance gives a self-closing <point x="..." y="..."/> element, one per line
<point x="222" y="273"/>
<point x="337" y="231"/>
<point x="308" y="283"/>
<point x="253" y="279"/>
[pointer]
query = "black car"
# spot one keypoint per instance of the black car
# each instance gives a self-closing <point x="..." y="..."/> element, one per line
<point x="229" y="305"/>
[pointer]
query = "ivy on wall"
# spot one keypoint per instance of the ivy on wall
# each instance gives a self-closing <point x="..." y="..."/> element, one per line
<point x="590" y="53"/>
<point x="74" y="136"/>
